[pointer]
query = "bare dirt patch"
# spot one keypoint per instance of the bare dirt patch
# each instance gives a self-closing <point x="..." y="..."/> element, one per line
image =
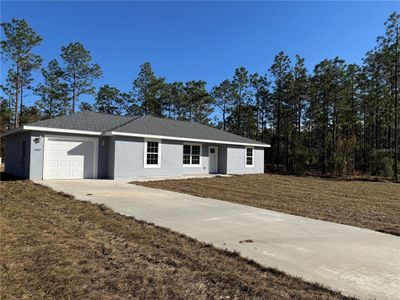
<point x="55" y="247"/>
<point x="372" y="205"/>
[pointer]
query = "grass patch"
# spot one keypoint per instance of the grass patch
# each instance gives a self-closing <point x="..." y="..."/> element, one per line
<point x="55" y="247"/>
<point x="372" y="205"/>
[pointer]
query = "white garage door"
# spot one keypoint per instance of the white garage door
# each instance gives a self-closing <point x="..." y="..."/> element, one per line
<point x="69" y="158"/>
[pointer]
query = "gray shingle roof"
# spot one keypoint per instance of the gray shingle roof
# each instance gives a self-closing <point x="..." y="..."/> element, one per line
<point x="183" y="129"/>
<point x="91" y="121"/>
<point x="85" y="120"/>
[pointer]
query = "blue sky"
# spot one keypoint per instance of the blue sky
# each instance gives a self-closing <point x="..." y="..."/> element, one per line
<point x="200" y="40"/>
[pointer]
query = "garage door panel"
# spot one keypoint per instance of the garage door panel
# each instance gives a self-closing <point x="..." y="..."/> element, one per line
<point x="51" y="143"/>
<point x="70" y="174"/>
<point x="69" y="159"/>
<point x="52" y="163"/>
<point x="52" y="147"/>
<point x="76" y="174"/>
<point x="52" y="153"/>
<point x="52" y="174"/>
<point x="76" y="163"/>
<point x="68" y="163"/>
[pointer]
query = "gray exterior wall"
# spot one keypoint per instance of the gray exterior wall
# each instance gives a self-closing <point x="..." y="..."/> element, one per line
<point x="128" y="157"/>
<point x="16" y="163"/>
<point x="123" y="157"/>
<point x="111" y="157"/>
<point x="37" y="150"/>
<point x="33" y="166"/>
<point x="236" y="160"/>
<point x="102" y="169"/>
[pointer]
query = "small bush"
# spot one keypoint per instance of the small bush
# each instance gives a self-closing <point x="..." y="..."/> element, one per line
<point x="381" y="163"/>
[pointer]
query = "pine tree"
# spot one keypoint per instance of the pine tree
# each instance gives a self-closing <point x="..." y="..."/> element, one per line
<point x="149" y="92"/>
<point x="199" y="101"/>
<point x="20" y="39"/>
<point x="261" y="94"/>
<point x="280" y="71"/>
<point x="109" y="100"/>
<point x="241" y="95"/>
<point x="53" y="92"/>
<point x="175" y="103"/>
<point x="79" y="72"/>
<point x="299" y="95"/>
<point x="389" y="46"/>
<point x="85" y="106"/>
<point x="9" y="90"/>
<point x="223" y="95"/>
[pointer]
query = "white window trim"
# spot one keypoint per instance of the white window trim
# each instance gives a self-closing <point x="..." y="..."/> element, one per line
<point x="245" y="157"/>
<point x="145" y="165"/>
<point x="190" y="165"/>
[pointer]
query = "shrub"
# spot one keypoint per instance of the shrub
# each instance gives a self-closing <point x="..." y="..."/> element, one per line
<point x="381" y="163"/>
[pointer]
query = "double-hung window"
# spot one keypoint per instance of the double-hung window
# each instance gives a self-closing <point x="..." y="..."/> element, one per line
<point x="249" y="157"/>
<point x="191" y="155"/>
<point x="152" y="154"/>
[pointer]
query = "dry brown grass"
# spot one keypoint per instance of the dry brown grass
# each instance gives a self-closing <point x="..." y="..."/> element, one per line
<point x="55" y="247"/>
<point x="373" y="205"/>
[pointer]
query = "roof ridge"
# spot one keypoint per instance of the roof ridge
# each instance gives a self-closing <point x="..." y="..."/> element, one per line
<point x="104" y="113"/>
<point x="123" y="124"/>
<point x="173" y="120"/>
<point x="54" y="118"/>
<point x="150" y="126"/>
<point x="205" y="126"/>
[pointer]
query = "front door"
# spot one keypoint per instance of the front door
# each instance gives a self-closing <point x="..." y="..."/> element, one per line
<point x="213" y="159"/>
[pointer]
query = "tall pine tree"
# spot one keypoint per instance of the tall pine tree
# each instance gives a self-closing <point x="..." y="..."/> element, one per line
<point x="79" y="72"/>
<point x="20" y="39"/>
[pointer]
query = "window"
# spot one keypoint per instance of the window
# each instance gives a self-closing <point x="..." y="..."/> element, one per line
<point x="152" y="154"/>
<point x="249" y="157"/>
<point x="191" y="155"/>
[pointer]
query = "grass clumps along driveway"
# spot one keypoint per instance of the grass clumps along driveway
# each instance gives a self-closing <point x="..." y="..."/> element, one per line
<point x="55" y="247"/>
<point x="372" y="205"/>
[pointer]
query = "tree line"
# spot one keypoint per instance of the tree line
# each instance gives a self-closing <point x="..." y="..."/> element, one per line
<point x="339" y="119"/>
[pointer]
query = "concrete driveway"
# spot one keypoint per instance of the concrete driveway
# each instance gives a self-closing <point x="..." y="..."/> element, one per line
<point x="358" y="262"/>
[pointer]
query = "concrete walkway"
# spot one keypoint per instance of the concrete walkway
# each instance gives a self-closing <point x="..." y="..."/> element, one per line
<point x="358" y="262"/>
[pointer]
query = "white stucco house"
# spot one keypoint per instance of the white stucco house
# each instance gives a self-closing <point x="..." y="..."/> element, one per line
<point x="95" y="145"/>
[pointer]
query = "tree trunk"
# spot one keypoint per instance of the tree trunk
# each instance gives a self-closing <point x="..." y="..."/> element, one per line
<point x="376" y="129"/>
<point x="240" y="119"/>
<point x="287" y="145"/>
<point x="396" y="114"/>
<point x="223" y="120"/>
<point x="278" y="133"/>
<point x="9" y="119"/>
<point x="16" y="123"/>
<point x="324" y="138"/>
<point x="364" y="167"/>
<point x="257" y="116"/>
<point x="20" y="105"/>
<point x="334" y="132"/>
<point x="73" y="93"/>
<point x="50" y="109"/>
<point x="73" y="100"/>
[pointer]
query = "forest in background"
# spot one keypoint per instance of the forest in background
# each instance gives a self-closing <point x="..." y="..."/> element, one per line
<point x="338" y="119"/>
